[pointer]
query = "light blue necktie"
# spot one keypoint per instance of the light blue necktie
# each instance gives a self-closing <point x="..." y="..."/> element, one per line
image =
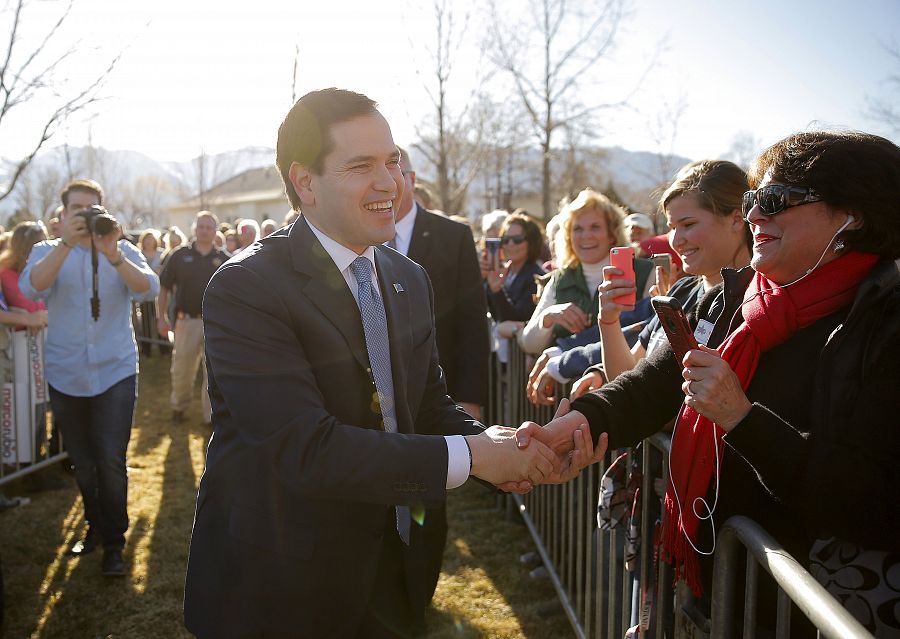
<point x="374" y="322"/>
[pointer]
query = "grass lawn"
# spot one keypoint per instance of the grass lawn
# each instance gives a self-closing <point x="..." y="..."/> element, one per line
<point x="483" y="591"/>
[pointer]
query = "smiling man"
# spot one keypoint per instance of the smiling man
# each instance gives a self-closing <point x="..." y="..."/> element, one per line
<point x="332" y="425"/>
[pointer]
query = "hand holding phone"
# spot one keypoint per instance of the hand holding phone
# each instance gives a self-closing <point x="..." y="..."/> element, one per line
<point x="675" y="324"/>
<point x="622" y="257"/>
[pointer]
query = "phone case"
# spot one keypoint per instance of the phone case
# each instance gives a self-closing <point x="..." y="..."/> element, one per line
<point x="622" y="257"/>
<point x="675" y="324"/>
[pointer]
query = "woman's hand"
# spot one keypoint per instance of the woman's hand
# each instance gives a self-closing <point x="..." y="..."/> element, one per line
<point x="509" y="329"/>
<point x="663" y="282"/>
<point x="495" y="279"/>
<point x="712" y="388"/>
<point x="610" y="289"/>
<point x="567" y="315"/>
<point x="590" y="382"/>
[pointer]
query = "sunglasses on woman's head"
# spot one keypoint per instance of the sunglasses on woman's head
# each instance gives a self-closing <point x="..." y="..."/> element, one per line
<point x="515" y="239"/>
<point x="776" y="198"/>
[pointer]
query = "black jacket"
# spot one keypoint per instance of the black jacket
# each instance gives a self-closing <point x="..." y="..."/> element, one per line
<point x="516" y="301"/>
<point x="818" y="455"/>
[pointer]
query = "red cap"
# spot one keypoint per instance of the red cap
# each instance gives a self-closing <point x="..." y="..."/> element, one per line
<point x="660" y="244"/>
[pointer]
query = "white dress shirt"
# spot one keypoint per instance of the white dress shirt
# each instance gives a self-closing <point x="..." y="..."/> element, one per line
<point x="404" y="230"/>
<point x="457" y="449"/>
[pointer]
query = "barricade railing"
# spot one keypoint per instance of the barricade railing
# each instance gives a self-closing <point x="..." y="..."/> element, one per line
<point x="28" y="441"/>
<point x="143" y="317"/>
<point x="586" y="565"/>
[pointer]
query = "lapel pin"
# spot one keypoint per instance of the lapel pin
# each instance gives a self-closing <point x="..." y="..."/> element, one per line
<point x="398" y="287"/>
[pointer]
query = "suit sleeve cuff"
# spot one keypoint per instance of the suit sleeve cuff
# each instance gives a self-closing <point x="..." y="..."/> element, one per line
<point x="458" y="461"/>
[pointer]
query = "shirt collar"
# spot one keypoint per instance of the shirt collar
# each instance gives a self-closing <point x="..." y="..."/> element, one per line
<point x="339" y="254"/>
<point x="404" y="228"/>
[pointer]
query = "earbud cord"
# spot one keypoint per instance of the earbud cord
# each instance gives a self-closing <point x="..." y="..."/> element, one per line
<point x="717" y="467"/>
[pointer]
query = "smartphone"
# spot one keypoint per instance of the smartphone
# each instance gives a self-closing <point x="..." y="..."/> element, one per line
<point x="492" y="246"/>
<point x="622" y="257"/>
<point x="675" y="324"/>
<point x="664" y="260"/>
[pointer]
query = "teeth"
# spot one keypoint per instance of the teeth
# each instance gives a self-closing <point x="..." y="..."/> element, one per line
<point x="379" y="206"/>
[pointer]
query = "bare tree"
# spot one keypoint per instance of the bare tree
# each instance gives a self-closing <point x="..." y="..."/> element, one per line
<point x="573" y="37"/>
<point x="884" y="108"/>
<point x="744" y="148"/>
<point x="29" y="73"/>
<point x="452" y="142"/>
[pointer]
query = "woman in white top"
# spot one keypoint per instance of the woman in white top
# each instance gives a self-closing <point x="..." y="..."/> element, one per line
<point x="590" y="226"/>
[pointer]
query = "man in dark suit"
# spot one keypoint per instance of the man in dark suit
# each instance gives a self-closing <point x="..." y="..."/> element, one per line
<point x="446" y="250"/>
<point x="317" y="464"/>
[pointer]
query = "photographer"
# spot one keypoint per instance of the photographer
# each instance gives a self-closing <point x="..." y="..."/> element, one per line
<point x="88" y="278"/>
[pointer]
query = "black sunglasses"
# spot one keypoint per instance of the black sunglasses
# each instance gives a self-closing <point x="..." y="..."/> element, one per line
<point x="776" y="198"/>
<point x="515" y="239"/>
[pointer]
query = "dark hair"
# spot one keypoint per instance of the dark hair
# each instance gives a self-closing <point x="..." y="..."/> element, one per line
<point x="305" y="134"/>
<point x="85" y="186"/>
<point x="853" y="171"/>
<point x="718" y="186"/>
<point x="533" y="235"/>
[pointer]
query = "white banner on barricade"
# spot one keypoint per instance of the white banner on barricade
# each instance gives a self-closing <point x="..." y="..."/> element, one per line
<point x="19" y="398"/>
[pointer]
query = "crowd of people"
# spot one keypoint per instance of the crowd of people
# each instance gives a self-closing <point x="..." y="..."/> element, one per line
<point x="784" y="412"/>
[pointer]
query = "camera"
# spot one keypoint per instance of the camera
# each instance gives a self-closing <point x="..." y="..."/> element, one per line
<point x="98" y="220"/>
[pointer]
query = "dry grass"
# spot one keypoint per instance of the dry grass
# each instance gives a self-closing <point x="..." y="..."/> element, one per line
<point x="483" y="592"/>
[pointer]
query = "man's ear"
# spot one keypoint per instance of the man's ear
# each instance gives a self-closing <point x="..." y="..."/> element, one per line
<point x="301" y="180"/>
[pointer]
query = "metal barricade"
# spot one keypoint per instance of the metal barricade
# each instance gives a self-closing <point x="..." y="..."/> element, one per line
<point x="586" y="565"/>
<point x="28" y="441"/>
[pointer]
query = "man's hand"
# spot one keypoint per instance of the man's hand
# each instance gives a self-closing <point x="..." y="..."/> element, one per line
<point x="162" y="327"/>
<point x="498" y="459"/>
<point x="108" y="244"/>
<point x="712" y="388"/>
<point x="73" y="229"/>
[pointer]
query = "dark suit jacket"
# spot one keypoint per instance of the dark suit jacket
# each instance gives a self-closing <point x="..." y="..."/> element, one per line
<point x="516" y="301"/>
<point x="447" y="251"/>
<point x="299" y="477"/>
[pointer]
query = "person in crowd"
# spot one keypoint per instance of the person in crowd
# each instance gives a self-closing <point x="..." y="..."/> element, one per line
<point x="324" y="379"/>
<point x="424" y="197"/>
<point x="707" y="230"/>
<point x="148" y="241"/>
<point x="91" y="359"/>
<point x="172" y="239"/>
<point x="290" y="217"/>
<point x="219" y="240"/>
<point x="248" y="232"/>
<point x="188" y="271"/>
<point x="446" y="250"/>
<point x="510" y="291"/>
<point x="638" y="227"/>
<point x="788" y="413"/>
<point x="53" y="224"/>
<point x="232" y="243"/>
<point x="13" y="259"/>
<point x="590" y="226"/>
<point x="492" y="222"/>
<point x="267" y="227"/>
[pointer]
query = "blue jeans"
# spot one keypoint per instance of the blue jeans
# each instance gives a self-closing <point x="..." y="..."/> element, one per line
<point x="96" y="431"/>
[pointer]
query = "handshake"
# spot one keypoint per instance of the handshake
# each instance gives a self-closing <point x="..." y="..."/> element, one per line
<point x="516" y="460"/>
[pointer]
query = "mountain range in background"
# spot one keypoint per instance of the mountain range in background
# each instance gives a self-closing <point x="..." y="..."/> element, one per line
<point x="140" y="189"/>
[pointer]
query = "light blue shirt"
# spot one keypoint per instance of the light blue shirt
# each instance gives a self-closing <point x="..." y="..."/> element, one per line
<point x="86" y="357"/>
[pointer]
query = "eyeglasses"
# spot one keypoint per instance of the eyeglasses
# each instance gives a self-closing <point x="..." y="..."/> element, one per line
<point x="775" y="198"/>
<point x="515" y="239"/>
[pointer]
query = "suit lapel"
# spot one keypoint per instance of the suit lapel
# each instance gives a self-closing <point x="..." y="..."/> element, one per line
<point x="397" y="309"/>
<point x="327" y="289"/>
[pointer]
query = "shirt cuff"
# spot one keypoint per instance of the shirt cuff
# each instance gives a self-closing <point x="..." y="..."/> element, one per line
<point x="553" y="369"/>
<point x="458" y="461"/>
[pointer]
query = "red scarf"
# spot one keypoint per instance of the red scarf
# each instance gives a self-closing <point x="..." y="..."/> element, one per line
<point x="771" y="315"/>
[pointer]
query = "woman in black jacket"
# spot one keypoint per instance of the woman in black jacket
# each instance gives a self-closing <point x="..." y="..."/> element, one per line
<point x="793" y="419"/>
<point x="511" y="289"/>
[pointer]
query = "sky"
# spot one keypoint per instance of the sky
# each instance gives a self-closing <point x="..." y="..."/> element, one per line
<point x="198" y="75"/>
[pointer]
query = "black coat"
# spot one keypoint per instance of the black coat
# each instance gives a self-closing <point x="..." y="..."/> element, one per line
<point x="299" y="477"/>
<point x="516" y="301"/>
<point x="446" y="250"/>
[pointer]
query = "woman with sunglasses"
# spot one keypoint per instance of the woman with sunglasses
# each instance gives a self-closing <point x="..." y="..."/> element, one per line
<point x="510" y="291"/>
<point x="790" y="415"/>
